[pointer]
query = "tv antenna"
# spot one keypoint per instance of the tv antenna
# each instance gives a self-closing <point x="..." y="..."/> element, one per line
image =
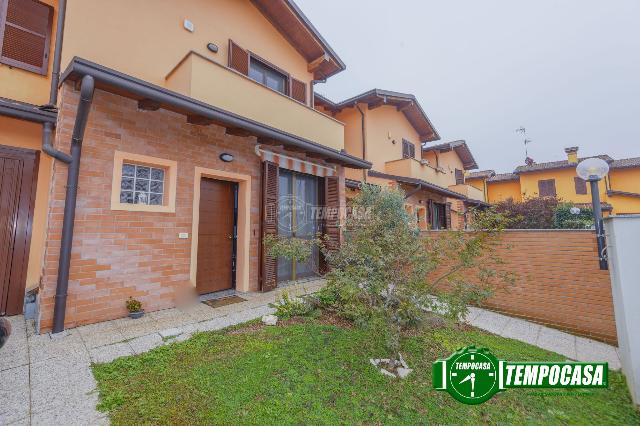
<point x="521" y="130"/>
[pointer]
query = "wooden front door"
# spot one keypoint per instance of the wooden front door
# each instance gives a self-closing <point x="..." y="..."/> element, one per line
<point x="18" y="170"/>
<point x="216" y="236"/>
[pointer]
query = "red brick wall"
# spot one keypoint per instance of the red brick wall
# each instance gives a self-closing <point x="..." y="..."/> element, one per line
<point x="117" y="254"/>
<point x="559" y="282"/>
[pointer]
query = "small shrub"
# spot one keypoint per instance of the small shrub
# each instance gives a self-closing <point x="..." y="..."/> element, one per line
<point x="133" y="305"/>
<point x="386" y="277"/>
<point x="531" y="213"/>
<point x="287" y="307"/>
<point x="564" y="219"/>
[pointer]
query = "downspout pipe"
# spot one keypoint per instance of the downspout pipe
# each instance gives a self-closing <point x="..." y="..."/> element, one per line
<point x="64" y="262"/>
<point x="364" y="140"/>
<point x="57" y="54"/>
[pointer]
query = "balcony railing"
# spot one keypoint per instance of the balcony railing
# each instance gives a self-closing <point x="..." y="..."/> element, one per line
<point x="468" y="191"/>
<point x="410" y="167"/>
<point x="213" y="83"/>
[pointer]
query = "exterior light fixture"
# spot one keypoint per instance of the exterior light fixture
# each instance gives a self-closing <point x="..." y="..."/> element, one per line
<point x="575" y="210"/>
<point x="593" y="170"/>
<point x="227" y="158"/>
<point x="212" y="47"/>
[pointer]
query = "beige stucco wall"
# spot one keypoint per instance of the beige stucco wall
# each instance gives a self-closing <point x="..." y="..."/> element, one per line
<point x="29" y="135"/>
<point x="120" y="34"/>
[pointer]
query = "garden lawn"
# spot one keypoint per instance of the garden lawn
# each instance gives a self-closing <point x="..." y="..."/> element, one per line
<point x="313" y="372"/>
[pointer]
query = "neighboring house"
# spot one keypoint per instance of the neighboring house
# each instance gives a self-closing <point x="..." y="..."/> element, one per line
<point x="198" y="136"/>
<point x="392" y="131"/>
<point x="619" y="190"/>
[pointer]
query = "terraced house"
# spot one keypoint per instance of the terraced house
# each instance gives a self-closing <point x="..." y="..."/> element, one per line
<point x="392" y="131"/>
<point x="145" y="151"/>
<point x="619" y="190"/>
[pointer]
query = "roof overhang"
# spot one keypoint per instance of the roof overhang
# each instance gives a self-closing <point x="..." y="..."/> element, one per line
<point x="403" y="102"/>
<point x="130" y="87"/>
<point x="25" y="111"/>
<point x="428" y="186"/>
<point x="294" y="26"/>
<point x="461" y="149"/>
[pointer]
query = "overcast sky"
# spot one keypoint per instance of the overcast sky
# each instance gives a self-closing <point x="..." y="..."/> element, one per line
<point x="566" y="70"/>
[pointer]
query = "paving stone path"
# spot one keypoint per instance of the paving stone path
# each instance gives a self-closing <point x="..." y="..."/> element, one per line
<point x="47" y="380"/>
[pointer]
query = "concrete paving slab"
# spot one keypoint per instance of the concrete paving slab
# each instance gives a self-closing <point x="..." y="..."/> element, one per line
<point x="170" y="332"/>
<point x="591" y="350"/>
<point x="521" y="330"/>
<point x="14" y="394"/>
<point x="101" y="334"/>
<point x="133" y="331"/>
<point x="75" y="413"/>
<point x="43" y="347"/>
<point x="15" y="352"/>
<point x="110" y="352"/>
<point x="146" y="343"/>
<point x="59" y="382"/>
<point x="557" y="341"/>
<point x="490" y="321"/>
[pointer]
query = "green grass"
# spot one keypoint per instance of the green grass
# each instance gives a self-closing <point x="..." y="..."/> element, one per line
<point x="313" y="373"/>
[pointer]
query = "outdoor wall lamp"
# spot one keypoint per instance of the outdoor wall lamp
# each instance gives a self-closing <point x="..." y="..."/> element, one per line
<point x="227" y="158"/>
<point x="593" y="170"/>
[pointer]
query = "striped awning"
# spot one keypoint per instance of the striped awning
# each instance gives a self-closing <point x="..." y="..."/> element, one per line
<point x="295" y="164"/>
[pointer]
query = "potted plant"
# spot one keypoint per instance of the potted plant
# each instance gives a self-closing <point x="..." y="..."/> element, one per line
<point x="135" y="308"/>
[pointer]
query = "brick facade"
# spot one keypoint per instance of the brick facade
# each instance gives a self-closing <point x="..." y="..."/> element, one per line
<point x="117" y="254"/>
<point x="559" y="282"/>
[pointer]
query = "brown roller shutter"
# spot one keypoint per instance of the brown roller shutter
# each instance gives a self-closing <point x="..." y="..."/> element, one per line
<point x="581" y="185"/>
<point x="448" y="215"/>
<point x="332" y="221"/>
<point x="547" y="188"/>
<point x="238" y="58"/>
<point x="459" y="177"/>
<point x="298" y="90"/>
<point x="25" y="34"/>
<point x="269" y="265"/>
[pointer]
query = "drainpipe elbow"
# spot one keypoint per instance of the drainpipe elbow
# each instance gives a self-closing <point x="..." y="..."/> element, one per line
<point x="47" y="147"/>
<point x="86" y="98"/>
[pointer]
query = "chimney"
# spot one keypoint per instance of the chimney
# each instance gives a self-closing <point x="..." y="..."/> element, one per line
<point x="572" y="154"/>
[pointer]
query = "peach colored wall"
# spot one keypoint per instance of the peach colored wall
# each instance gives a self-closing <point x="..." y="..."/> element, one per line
<point x="500" y="191"/>
<point x="27" y="86"/>
<point x="206" y="80"/>
<point x="565" y="185"/>
<point x="29" y="135"/>
<point x="384" y="125"/>
<point x="122" y="34"/>
<point x="447" y="162"/>
<point x="627" y="180"/>
<point x="353" y="137"/>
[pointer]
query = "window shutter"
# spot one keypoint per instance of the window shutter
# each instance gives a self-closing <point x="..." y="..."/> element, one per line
<point x="448" y="215"/>
<point x="298" y="90"/>
<point x="581" y="185"/>
<point x="547" y="188"/>
<point x="408" y="149"/>
<point x="25" y="34"/>
<point x="238" y="58"/>
<point x="269" y="265"/>
<point x="332" y="204"/>
<point x="459" y="177"/>
<point x="430" y="214"/>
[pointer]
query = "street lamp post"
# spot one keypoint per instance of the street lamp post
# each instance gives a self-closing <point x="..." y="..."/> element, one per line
<point x="593" y="170"/>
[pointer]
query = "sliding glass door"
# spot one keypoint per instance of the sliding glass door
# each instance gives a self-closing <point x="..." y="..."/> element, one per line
<point x="296" y="218"/>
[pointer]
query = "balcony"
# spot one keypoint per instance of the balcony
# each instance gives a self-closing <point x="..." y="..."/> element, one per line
<point x="208" y="81"/>
<point x="468" y="191"/>
<point x="410" y="167"/>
